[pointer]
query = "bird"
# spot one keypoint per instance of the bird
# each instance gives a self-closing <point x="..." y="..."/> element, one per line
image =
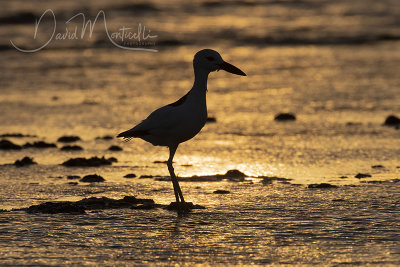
<point x="180" y="121"/>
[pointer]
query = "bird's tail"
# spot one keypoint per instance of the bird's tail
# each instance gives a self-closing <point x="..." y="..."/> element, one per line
<point x="132" y="133"/>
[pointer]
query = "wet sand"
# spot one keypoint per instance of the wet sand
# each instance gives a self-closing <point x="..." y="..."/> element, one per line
<point x="278" y="223"/>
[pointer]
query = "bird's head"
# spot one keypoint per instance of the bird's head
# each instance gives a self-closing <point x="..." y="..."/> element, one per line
<point x="211" y="60"/>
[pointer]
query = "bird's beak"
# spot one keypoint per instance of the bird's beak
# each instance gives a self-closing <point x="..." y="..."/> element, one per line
<point x="230" y="68"/>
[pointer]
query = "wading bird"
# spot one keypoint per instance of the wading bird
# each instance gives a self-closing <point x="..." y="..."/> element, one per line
<point x="182" y="120"/>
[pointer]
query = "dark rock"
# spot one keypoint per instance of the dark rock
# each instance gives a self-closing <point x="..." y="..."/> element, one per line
<point x="71" y="148"/>
<point x="338" y="200"/>
<point x="106" y="137"/>
<point x="8" y="145"/>
<point x="392" y="121"/>
<point x="72" y="183"/>
<point x="92" y="178"/>
<point x="16" y="135"/>
<point x="285" y="117"/>
<point x="362" y="175"/>
<point x="93" y="203"/>
<point x="91" y="162"/>
<point x="343" y="177"/>
<point x="211" y="120"/>
<point x="68" y="139"/>
<point x="377" y="166"/>
<point x="234" y="174"/>
<point x="268" y="180"/>
<point x="72" y="177"/>
<point x="39" y="144"/>
<point x="115" y="148"/>
<point x="221" y="192"/>
<point x="183" y="207"/>
<point x="322" y="185"/>
<point x="26" y="161"/>
<point x="130" y="175"/>
<point x="56" y="207"/>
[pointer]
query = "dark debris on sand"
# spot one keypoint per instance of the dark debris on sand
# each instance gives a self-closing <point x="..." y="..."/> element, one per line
<point x="8" y="145"/>
<point x="93" y="203"/>
<point x="363" y="175"/>
<point x="92" y="178"/>
<point x="285" y="117"/>
<point x="231" y="175"/>
<point x="68" y="139"/>
<point x="39" y="144"/>
<point x="221" y="192"/>
<point x="91" y="162"/>
<point x="160" y="162"/>
<point x="130" y="175"/>
<point x="56" y="207"/>
<point x="16" y="135"/>
<point x="71" y="148"/>
<point x="381" y="182"/>
<point x="106" y="137"/>
<point x="322" y="185"/>
<point x="146" y="176"/>
<point x="26" y="161"/>
<point x="377" y="166"/>
<point x="73" y="177"/>
<point x="115" y="148"/>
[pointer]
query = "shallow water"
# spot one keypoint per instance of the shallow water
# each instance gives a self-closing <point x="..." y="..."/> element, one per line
<point x="255" y="224"/>
<point x="334" y="65"/>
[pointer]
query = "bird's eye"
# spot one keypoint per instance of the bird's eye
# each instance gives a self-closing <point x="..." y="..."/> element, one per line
<point x="210" y="58"/>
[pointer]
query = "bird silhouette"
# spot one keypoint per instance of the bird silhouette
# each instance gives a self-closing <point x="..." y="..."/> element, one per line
<point x="182" y="120"/>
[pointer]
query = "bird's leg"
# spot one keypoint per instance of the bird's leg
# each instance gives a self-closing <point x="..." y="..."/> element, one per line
<point x="177" y="188"/>
<point x="174" y="184"/>
<point x="171" y="171"/>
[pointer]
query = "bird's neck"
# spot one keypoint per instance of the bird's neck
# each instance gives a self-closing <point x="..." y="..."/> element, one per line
<point x="200" y="80"/>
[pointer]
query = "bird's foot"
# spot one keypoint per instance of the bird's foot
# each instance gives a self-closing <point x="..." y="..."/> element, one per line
<point x="183" y="207"/>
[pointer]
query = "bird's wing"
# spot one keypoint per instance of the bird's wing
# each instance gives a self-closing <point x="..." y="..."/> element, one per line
<point x="159" y="120"/>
